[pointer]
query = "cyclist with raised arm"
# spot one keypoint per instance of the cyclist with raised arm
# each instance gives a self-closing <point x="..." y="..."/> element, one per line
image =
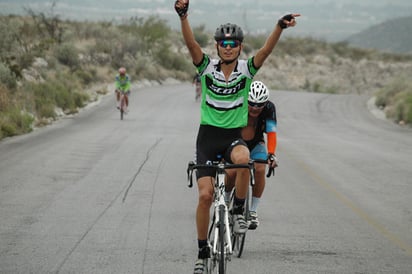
<point x="122" y="85"/>
<point x="224" y="111"/>
<point x="261" y="119"/>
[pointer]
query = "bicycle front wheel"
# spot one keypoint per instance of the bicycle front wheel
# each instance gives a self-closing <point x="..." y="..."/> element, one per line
<point x="122" y="106"/>
<point x="222" y="240"/>
<point x="217" y="233"/>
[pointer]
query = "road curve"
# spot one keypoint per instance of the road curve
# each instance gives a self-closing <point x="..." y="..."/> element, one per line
<point x="93" y="194"/>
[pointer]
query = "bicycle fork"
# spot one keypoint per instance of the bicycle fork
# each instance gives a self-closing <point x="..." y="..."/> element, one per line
<point x="222" y="220"/>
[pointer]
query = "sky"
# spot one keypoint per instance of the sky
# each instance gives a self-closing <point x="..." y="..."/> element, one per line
<point x="332" y="20"/>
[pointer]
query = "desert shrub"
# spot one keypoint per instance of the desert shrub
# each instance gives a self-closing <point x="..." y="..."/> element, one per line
<point x="386" y="95"/>
<point x="255" y="41"/>
<point x="7" y="77"/>
<point x="67" y="54"/>
<point x="7" y="129"/>
<point x="402" y="110"/>
<point x="396" y="99"/>
<point x="14" y="122"/>
<point x="153" y="30"/>
<point x="61" y="93"/>
<point x="201" y="36"/>
<point x="45" y="109"/>
<point x="4" y="98"/>
<point x="171" y="60"/>
<point x="86" y="76"/>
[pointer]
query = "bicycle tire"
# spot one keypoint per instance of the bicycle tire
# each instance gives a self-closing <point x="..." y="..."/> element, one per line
<point x="211" y="262"/>
<point x="122" y="104"/>
<point x="238" y="240"/>
<point x="221" y="238"/>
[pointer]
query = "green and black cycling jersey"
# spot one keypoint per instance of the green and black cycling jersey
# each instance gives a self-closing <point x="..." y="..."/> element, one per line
<point x="224" y="103"/>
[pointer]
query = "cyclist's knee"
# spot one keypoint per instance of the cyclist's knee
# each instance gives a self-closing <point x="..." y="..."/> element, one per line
<point x="205" y="191"/>
<point x="205" y="198"/>
<point x="260" y="168"/>
<point x="240" y="155"/>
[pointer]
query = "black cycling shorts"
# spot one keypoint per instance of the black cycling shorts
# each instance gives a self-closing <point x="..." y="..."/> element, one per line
<point x="213" y="142"/>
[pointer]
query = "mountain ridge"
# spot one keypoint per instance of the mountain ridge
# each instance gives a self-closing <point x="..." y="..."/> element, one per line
<point x="333" y="21"/>
<point x="394" y="36"/>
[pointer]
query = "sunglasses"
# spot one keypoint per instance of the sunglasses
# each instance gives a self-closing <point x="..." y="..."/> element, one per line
<point x="256" y="105"/>
<point x="230" y="43"/>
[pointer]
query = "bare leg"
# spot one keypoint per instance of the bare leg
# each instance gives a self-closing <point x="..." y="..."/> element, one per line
<point x="260" y="180"/>
<point x="240" y="155"/>
<point x="205" y="188"/>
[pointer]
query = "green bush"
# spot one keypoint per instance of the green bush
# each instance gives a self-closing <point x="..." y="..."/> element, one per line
<point x="201" y="36"/>
<point x="255" y="41"/>
<point x="7" y="129"/>
<point x="403" y="107"/>
<point x="396" y="98"/>
<point x="14" y="122"/>
<point x="4" y="98"/>
<point x="45" y="110"/>
<point x="7" y="77"/>
<point x="171" y="60"/>
<point x="60" y="93"/>
<point x="86" y="77"/>
<point x="67" y="54"/>
<point x="386" y="95"/>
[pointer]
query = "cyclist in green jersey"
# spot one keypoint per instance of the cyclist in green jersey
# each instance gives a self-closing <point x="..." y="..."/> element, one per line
<point x="224" y="111"/>
<point x="122" y="84"/>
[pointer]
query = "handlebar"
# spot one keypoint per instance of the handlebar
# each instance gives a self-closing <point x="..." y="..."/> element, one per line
<point x="216" y="166"/>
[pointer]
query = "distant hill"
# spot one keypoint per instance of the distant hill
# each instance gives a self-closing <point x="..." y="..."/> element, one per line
<point x="393" y="36"/>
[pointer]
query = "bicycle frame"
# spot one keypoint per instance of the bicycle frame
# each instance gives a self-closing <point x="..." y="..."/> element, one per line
<point x="122" y="105"/>
<point x="220" y="232"/>
<point x="219" y="202"/>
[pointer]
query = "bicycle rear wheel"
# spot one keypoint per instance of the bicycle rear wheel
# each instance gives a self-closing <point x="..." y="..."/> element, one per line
<point x="222" y="241"/>
<point x="238" y="240"/>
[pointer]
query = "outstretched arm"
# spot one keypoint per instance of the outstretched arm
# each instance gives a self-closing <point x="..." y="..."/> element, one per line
<point x="181" y="7"/>
<point x="271" y="41"/>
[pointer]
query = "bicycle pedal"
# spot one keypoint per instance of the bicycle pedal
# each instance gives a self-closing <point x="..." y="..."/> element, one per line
<point x="252" y="227"/>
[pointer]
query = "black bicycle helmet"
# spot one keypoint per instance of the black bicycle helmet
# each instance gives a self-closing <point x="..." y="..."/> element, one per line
<point x="229" y="31"/>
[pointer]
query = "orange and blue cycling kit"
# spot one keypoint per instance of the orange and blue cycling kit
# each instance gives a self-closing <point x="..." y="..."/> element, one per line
<point x="266" y="123"/>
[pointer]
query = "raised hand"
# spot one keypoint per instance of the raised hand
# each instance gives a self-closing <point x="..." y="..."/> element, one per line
<point x="288" y="20"/>
<point x="181" y="7"/>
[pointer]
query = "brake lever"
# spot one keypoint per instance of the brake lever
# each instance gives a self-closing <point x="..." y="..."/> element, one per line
<point x="190" y="173"/>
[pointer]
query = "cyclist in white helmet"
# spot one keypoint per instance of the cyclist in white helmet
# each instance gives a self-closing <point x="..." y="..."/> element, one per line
<point x="261" y="119"/>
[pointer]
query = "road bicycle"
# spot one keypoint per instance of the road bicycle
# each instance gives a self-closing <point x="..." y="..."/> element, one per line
<point x="238" y="240"/>
<point x="122" y="96"/>
<point x="220" y="229"/>
<point x="122" y="107"/>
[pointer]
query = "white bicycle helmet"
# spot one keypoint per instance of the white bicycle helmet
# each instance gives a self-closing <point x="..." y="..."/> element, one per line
<point x="258" y="93"/>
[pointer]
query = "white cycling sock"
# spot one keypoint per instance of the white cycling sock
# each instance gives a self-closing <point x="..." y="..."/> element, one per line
<point x="227" y="196"/>
<point x="255" y="204"/>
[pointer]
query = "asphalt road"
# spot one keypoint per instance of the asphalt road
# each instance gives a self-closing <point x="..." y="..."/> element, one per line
<point x="93" y="194"/>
